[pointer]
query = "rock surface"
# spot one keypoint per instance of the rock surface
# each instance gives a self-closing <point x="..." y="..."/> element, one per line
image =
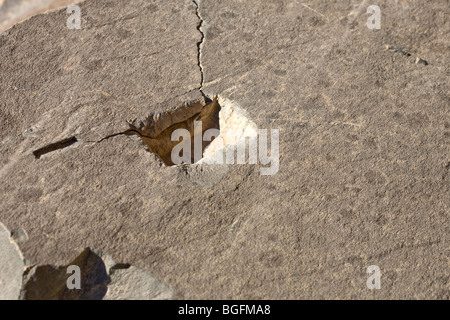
<point x="11" y="266"/>
<point x="364" y="145"/>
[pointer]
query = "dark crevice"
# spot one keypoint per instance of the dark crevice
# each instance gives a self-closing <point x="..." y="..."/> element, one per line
<point x="119" y="266"/>
<point x="199" y="45"/>
<point x="54" y="146"/>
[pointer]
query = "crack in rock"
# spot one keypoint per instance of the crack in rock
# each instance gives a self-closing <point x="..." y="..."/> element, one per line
<point x="199" y="45"/>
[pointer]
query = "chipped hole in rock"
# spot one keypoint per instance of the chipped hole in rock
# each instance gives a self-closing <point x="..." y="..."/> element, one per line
<point x="230" y="121"/>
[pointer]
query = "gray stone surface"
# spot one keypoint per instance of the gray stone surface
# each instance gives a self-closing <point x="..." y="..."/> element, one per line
<point x="364" y="145"/>
<point x="11" y="266"/>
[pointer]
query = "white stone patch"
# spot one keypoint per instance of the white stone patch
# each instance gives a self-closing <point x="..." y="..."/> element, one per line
<point x="235" y="128"/>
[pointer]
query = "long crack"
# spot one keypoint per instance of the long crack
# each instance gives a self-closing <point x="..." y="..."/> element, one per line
<point x="199" y="45"/>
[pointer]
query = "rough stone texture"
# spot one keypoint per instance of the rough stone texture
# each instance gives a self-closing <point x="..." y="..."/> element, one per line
<point x="364" y="145"/>
<point x="11" y="266"/>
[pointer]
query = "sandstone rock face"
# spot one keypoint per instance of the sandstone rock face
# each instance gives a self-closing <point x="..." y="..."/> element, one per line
<point x="11" y="266"/>
<point x="364" y="146"/>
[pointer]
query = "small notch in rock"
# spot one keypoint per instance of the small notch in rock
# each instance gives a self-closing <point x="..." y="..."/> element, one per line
<point x="54" y="146"/>
<point x="419" y="60"/>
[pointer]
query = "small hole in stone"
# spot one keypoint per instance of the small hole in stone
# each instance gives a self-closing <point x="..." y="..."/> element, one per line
<point x="156" y="131"/>
<point x="229" y="122"/>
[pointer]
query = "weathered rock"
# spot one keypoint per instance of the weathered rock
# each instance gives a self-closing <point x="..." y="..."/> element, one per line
<point x="11" y="266"/>
<point x="364" y="145"/>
